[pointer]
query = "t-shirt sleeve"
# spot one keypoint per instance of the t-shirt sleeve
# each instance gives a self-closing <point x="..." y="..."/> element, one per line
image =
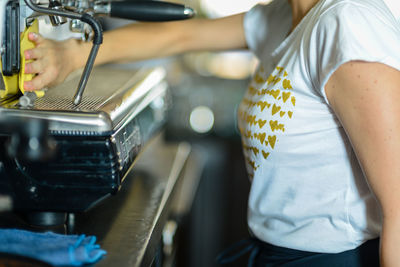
<point x="266" y="26"/>
<point x="352" y="32"/>
<point x="394" y="6"/>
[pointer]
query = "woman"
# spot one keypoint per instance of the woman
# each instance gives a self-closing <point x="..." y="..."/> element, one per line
<point x="320" y="121"/>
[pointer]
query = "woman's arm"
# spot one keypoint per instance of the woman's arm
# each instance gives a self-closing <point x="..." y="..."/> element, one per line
<point x="366" y="98"/>
<point x="55" y="60"/>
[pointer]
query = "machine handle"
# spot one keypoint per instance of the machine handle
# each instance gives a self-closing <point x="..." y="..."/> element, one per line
<point x="150" y="10"/>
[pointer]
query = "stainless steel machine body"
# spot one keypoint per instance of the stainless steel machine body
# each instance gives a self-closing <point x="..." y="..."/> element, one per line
<point x="92" y="137"/>
<point x="96" y="141"/>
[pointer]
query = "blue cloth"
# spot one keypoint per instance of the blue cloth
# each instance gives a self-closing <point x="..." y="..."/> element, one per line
<point x="55" y="249"/>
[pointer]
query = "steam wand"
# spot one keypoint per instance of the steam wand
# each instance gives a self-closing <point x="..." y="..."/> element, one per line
<point x="97" y="40"/>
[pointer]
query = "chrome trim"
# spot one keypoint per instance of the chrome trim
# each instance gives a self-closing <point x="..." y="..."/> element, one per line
<point x="103" y="110"/>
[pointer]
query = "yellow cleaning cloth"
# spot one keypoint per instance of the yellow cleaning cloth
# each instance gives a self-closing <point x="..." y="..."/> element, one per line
<point x="25" y="45"/>
<point x="10" y="84"/>
<point x="15" y="83"/>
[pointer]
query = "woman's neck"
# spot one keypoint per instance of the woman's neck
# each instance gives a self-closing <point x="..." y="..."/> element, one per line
<point x="300" y="8"/>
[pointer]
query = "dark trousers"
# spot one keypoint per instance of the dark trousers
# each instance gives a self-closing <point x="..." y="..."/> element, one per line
<point x="267" y="255"/>
<point x="366" y="255"/>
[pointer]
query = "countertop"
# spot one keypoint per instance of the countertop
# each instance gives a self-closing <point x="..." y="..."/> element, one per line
<point x="129" y="225"/>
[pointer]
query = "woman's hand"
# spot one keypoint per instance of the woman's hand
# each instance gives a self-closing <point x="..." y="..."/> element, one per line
<point x="52" y="61"/>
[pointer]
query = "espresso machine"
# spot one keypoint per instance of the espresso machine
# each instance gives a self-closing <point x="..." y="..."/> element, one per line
<point x="65" y="149"/>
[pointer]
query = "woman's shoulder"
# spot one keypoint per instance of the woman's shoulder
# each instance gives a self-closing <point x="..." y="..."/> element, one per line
<point x="356" y="12"/>
<point x="352" y="30"/>
<point x="365" y="22"/>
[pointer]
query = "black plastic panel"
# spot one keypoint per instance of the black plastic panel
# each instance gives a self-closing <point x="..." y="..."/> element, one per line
<point x="11" y="56"/>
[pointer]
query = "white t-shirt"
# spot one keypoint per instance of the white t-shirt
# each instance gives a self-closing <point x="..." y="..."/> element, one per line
<point x="308" y="191"/>
<point x="394" y="6"/>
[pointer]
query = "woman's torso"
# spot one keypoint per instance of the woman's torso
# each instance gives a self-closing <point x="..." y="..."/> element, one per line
<point x="308" y="191"/>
